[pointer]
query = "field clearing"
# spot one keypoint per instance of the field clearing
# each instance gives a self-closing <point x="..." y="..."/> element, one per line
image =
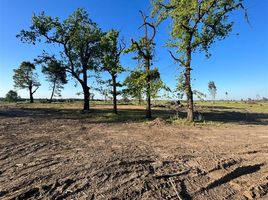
<point x="54" y="151"/>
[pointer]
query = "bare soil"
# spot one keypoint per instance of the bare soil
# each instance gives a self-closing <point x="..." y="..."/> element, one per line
<point x="51" y="154"/>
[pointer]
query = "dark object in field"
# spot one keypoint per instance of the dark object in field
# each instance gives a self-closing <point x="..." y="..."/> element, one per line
<point x="159" y="106"/>
<point x="176" y="104"/>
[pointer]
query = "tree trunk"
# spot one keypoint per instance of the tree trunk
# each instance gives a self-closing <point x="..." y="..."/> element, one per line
<point x="85" y="90"/>
<point x="139" y="100"/>
<point x="86" y="97"/>
<point x="52" y="93"/>
<point x="148" y="91"/>
<point x="189" y="92"/>
<point x="31" y="94"/>
<point x="114" y="94"/>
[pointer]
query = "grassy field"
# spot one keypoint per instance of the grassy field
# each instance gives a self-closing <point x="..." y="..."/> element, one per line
<point x="257" y="107"/>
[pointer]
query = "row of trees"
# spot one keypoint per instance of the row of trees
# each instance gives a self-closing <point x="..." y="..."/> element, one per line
<point x="195" y="25"/>
<point x="86" y="48"/>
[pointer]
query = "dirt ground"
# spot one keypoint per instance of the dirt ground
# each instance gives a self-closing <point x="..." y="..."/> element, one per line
<point x="50" y="154"/>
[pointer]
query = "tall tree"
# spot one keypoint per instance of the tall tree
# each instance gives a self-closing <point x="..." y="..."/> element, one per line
<point x="25" y="78"/>
<point x="112" y="50"/>
<point x="56" y="76"/>
<point x="145" y="50"/>
<point x="196" y="25"/>
<point x="212" y="90"/>
<point x="80" y="41"/>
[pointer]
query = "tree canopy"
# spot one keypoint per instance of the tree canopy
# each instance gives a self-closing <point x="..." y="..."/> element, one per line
<point x="84" y="48"/>
<point x="195" y="25"/>
<point x="135" y="84"/>
<point x="25" y="78"/>
<point x="80" y="41"/>
<point x="12" y="96"/>
<point x="56" y="76"/>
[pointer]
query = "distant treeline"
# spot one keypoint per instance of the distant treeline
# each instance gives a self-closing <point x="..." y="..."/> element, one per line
<point x="45" y="100"/>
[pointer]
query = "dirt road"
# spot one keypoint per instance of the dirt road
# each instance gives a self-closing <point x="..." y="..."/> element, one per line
<point x="49" y="155"/>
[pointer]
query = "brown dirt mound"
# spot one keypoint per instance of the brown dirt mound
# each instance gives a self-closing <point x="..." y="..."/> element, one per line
<point x="157" y="122"/>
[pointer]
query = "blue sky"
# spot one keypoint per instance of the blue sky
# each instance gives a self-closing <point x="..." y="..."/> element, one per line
<point x="238" y="65"/>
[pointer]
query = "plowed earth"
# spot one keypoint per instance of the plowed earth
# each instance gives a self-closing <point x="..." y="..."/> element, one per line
<point x="50" y="155"/>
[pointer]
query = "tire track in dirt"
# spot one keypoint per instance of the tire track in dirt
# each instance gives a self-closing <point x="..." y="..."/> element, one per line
<point x="77" y="159"/>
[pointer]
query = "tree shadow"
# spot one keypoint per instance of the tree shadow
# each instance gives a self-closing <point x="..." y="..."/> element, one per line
<point x="236" y="117"/>
<point x="94" y="116"/>
<point x="97" y="115"/>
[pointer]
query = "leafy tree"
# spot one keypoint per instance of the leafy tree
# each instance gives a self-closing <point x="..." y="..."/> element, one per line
<point x="112" y="51"/>
<point x="80" y="41"/>
<point x="12" y="96"/>
<point x="56" y="75"/>
<point x="25" y="78"/>
<point x="145" y="50"/>
<point x="136" y="84"/>
<point x="156" y="83"/>
<point x="212" y="90"/>
<point x="195" y="25"/>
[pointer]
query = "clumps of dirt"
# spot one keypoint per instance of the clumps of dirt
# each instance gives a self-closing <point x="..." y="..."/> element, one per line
<point x="236" y="173"/>
<point x="67" y="157"/>
<point x="225" y="163"/>
<point x="162" y="169"/>
<point x="257" y="191"/>
<point x="157" y="122"/>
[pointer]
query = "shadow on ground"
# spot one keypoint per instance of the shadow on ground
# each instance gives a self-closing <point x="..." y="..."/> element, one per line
<point x="132" y="115"/>
<point x="237" y="117"/>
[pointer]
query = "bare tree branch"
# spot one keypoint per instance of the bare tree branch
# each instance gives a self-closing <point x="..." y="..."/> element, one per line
<point x="35" y="90"/>
<point x="176" y="59"/>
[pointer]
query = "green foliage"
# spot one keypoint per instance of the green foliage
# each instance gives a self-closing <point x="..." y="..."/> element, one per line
<point x="196" y="22"/>
<point x="24" y="77"/>
<point x="136" y="84"/>
<point x="12" y="96"/>
<point x="195" y="25"/>
<point x="144" y="48"/>
<point x="56" y="75"/>
<point x="79" y="36"/>
<point x="112" y="49"/>
<point x="156" y="83"/>
<point x="80" y="41"/>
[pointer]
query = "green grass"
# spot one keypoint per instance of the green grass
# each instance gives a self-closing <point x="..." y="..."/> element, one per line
<point x="239" y="106"/>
